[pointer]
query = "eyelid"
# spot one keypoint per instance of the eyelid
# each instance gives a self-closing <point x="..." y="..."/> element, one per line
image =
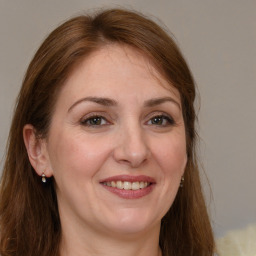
<point x="159" y="113"/>
<point x="91" y="115"/>
<point x="169" y="118"/>
<point x="110" y="119"/>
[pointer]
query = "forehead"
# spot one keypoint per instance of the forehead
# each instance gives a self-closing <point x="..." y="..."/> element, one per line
<point x="120" y="69"/>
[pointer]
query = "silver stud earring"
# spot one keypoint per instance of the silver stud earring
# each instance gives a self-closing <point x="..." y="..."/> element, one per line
<point x="182" y="182"/>
<point x="43" y="178"/>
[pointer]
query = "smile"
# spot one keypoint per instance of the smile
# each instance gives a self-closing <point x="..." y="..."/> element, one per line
<point x="129" y="187"/>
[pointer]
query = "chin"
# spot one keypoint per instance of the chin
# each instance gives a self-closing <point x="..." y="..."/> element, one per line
<point x="132" y="221"/>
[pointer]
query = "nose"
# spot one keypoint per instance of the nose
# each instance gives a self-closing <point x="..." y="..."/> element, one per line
<point x="131" y="147"/>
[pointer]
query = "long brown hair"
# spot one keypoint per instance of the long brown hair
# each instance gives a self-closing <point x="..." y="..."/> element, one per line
<point x="29" y="219"/>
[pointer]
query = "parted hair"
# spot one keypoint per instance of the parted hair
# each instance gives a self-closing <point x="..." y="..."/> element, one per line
<point x="29" y="218"/>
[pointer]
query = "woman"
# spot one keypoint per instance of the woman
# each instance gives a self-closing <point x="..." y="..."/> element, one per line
<point x="101" y="155"/>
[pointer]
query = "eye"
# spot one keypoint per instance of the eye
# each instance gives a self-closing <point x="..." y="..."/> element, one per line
<point x="94" y="121"/>
<point x="161" y="120"/>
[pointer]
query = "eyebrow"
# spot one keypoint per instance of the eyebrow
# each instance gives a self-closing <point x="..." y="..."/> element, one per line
<point x="110" y="102"/>
<point x="158" y="101"/>
<point x="101" y="101"/>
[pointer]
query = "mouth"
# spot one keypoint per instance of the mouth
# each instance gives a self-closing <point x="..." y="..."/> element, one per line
<point x="129" y="187"/>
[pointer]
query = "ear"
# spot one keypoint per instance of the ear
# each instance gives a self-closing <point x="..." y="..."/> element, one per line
<point x="37" y="151"/>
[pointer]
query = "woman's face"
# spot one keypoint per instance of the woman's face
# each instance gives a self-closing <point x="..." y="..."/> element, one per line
<point x="116" y="145"/>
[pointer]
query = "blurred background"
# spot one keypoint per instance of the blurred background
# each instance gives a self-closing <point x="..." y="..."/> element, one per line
<point x="218" y="40"/>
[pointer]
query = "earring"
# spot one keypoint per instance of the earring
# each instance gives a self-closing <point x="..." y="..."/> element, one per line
<point x="43" y="178"/>
<point x="182" y="182"/>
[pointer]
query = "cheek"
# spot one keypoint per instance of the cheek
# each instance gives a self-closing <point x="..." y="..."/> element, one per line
<point x="171" y="155"/>
<point x="77" y="155"/>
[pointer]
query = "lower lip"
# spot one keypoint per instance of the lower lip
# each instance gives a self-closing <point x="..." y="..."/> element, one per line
<point x="130" y="194"/>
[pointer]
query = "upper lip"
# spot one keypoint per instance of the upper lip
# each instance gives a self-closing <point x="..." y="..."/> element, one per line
<point x="129" y="178"/>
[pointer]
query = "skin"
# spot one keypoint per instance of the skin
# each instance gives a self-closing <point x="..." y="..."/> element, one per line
<point x="130" y="137"/>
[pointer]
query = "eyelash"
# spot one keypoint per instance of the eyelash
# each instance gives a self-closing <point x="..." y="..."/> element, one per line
<point x="86" y="122"/>
<point x="166" y="119"/>
<point x="169" y="120"/>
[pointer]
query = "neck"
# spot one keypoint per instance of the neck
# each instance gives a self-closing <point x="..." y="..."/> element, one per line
<point x="93" y="243"/>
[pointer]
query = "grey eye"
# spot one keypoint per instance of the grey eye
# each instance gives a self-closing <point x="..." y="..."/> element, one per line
<point x="94" y="121"/>
<point x="161" y="120"/>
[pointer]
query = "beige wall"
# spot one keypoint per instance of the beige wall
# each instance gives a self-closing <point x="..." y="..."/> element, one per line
<point x="218" y="38"/>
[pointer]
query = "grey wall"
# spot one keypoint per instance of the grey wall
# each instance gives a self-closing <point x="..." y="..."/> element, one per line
<point x="218" y="38"/>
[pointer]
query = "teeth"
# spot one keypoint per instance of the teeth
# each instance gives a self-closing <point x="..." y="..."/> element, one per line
<point x="127" y="185"/>
<point x="143" y="184"/>
<point x="113" y="184"/>
<point x="120" y="185"/>
<point x="135" y="185"/>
